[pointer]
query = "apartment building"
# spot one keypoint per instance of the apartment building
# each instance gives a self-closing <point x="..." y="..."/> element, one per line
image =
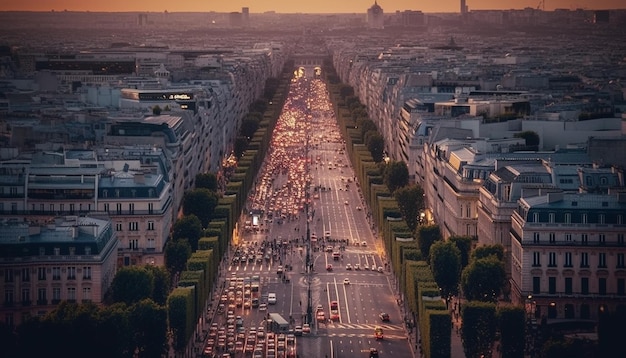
<point x="69" y="258"/>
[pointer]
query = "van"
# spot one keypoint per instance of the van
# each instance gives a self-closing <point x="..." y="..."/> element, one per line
<point x="271" y="298"/>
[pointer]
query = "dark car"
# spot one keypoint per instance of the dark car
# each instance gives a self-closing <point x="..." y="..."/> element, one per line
<point x="384" y="317"/>
<point x="373" y="353"/>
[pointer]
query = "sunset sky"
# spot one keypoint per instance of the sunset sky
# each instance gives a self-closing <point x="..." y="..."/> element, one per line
<point x="293" y="6"/>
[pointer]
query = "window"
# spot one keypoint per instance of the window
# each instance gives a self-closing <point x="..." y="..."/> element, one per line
<point x="535" y="217"/>
<point x="8" y="296"/>
<point x="584" y="238"/>
<point x="568" y="259"/>
<point x="151" y="243"/>
<point x="602" y="286"/>
<point x="552" y="237"/>
<point x="26" y="275"/>
<point x="568" y="218"/>
<point x="56" y="294"/>
<point x="133" y="226"/>
<point x="536" y="285"/>
<point x="118" y="208"/>
<point x="584" y="285"/>
<point x="133" y="244"/>
<point x="8" y="275"/>
<point x="621" y="287"/>
<point x="106" y="206"/>
<point x="620" y="219"/>
<point x="620" y="260"/>
<point x="584" y="259"/>
<point x="552" y="259"/>
<point x="552" y="285"/>
<point x="41" y="273"/>
<point x="536" y="259"/>
<point x="150" y="225"/>
<point x="568" y="286"/>
<point x="583" y="218"/>
<point x="119" y="227"/>
<point x="620" y="239"/>
<point x="602" y="260"/>
<point x="568" y="237"/>
<point x="131" y="208"/>
<point x="71" y="293"/>
<point x="26" y="295"/>
<point x="602" y="239"/>
<point x="150" y="207"/>
<point x="86" y="272"/>
<point x="56" y="273"/>
<point x="551" y="218"/>
<point x="536" y="237"/>
<point x="71" y="273"/>
<point x="86" y="293"/>
<point x="41" y="296"/>
<point x="601" y="219"/>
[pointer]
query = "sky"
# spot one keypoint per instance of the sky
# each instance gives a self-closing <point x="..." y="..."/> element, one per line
<point x="295" y="6"/>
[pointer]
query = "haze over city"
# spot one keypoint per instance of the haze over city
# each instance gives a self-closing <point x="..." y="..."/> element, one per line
<point x="288" y="6"/>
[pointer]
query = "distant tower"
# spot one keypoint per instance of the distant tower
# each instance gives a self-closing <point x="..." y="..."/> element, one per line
<point x="375" y="17"/>
<point x="463" y="7"/>
<point x="142" y="19"/>
<point x="245" y="11"/>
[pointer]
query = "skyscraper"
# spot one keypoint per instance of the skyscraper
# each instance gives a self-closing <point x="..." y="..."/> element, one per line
<point x="463" y="7"/>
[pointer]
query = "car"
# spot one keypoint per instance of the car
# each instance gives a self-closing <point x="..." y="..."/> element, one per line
<point x="346" y="281"/>
<point x="357" y="267"/>
<point x="380" y="269"/>
<point x="329" y="248"/>
<point x="334" y="315"/>
<point x="279" y="271"/>
<point x="348" y="267"/>
<point x="297" y="331"/>
<point x="363" y="243"/>
<point x="306" y="328"/>
<point x="271" y="298"/>
<point x="346" y="203"/>
<point x="373" y="353"/>
<point x="384" y="317"/>
<point x="247" y="304"/>
<point x="263" y="307"/>
<point x="329" y="267"/>
<point x="334" y="305"/>
<point x="374" y="268"/>
<point x="359" y="208"/>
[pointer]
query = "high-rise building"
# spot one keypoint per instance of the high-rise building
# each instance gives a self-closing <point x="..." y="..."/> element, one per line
<point x="375" y="17"/>
<point x="463" y="7"/>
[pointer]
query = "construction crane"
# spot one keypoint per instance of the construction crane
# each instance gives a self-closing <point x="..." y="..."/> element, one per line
<point x="542" y="5"/>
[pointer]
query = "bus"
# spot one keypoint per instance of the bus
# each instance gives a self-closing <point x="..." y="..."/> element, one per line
<point x="278" y="323"/>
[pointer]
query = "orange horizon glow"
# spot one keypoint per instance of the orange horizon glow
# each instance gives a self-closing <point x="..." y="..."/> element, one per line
<point x="302" y="6"/>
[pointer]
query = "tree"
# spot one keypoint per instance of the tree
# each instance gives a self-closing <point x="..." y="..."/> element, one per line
<point x="258" y="106"/>
<point x="375" y="143"/>
<point x="478" y="329"/>
<point x="445" y="262"/>
<point x="365" y="125"/>
<point x="240" y="146"/>
<point x="115" y="325"/>
<point x="483" y="279"/>
<point x="156" y="110"/>
<point x="132" y="284"/>
<point x="345" y="91"/>
<point x="161" y="279"/>
<point x="411" y="202"/>
<point x="464" y="243"/>
<point x="426" y="236"/>
<point x="396" y="175"/>
<point x="149" y="324"/>
<point x="177" y="252"/>
<point x="496" y="250"/>
<point x="531" y="138"/>
<point x="201" y="203"/>
<point x="206" y="181"/>
<point x="249" y="126"/>
<point x="188" y="227"/>
<point x="511" y="320"/>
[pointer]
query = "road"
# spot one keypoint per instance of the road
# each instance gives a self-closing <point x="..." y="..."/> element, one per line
<point x="308" y="152"/>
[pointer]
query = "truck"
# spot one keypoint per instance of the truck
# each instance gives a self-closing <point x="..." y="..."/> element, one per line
<point x="278" y="324"/>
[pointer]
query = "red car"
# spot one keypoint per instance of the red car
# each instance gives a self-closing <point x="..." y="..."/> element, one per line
<point x="329" y="268"/>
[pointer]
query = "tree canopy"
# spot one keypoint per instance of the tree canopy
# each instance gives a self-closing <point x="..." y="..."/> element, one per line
<point x="396" y="175"/>
<point x="201" y="203"/>
<point x="132" y="284"/>
<point x="426" y="236"/>
<point x="411" y="202"/>
<point x="483" y="279"/>
<point x="445" y="262"/>
<point x="375" y="143"/>
<point x="177" y="252"/>
<point x="188" y="227"/>
<point x="206" y="181"/>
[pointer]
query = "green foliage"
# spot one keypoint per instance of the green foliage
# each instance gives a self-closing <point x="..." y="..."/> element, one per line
<point x="396" y="175"/>
<point x="156" y="110"/>
<point x="206" y="181"/>
<point x="483" y="279"/>
<point x="484" y="251"/>
<point x="478" y="329"/>
<point x="176" y="254"/>
<point x="411" y="202"/>
<point x="511" y="320"/>
<point x="249" y="125"/>
<point x="365" y="125"/>
<point x="532" y="138"/>
<point x="201" y="203"/>
<point x="445" y="261"/>
<point x="161" y="279"/>
<point x="345" y="91"/>
<point x="426" y="236"/>
<point x="575" y="348"/>
<point x="132" y="284"/>
<point x="188" y="227"/>
<point x="181" y="316"/>
<point x="464" y="244"/>
<point x="241" y="143"/>
<point x="149" y="324"/>
<point x="610" y="336"/>
<point x="375" y="143"/>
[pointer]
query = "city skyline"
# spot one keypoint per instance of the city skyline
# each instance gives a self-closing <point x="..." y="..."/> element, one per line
<point x="288" y="6"/>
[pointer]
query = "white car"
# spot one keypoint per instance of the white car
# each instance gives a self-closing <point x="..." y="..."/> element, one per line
<point x="346" y="281"/>
<point x="271" y="298"/>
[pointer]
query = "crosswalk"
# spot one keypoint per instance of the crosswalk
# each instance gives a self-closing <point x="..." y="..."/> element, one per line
<point x="365" y="326"/>
<point x="363" y="335"/>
